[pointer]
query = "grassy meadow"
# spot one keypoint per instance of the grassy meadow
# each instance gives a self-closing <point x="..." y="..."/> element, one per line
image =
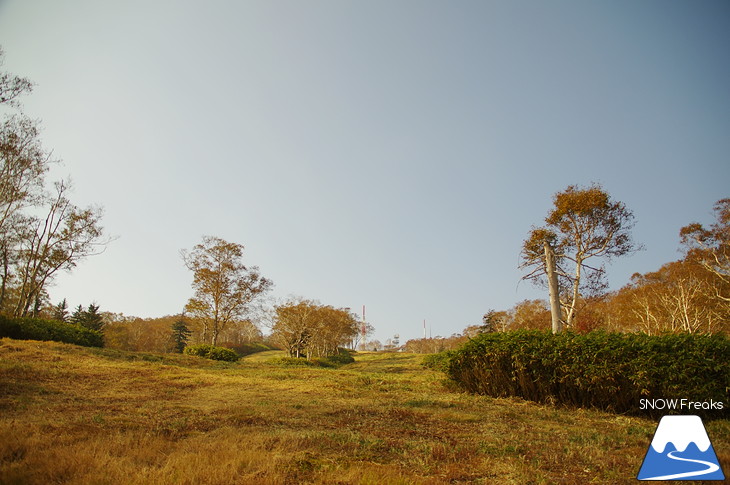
<point x="73" y="415"/>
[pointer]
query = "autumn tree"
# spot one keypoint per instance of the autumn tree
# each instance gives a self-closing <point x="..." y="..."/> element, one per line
<point x="585" y="224"/>
<point x="493" y="321"/>
<point x="12" y="86"/>
<point x="137" y="334"/>
<point x="334" y="327"/>
<point x="689" y="295"/>
<point x="240" y="332"/>
<point x="293" y="326"/>
<point x="679" y="297"/>
<point x="57" y="241"/>
<point x="709" y="247"/>
<point x="224" y="286"/>
<point x="529" y="315"/>
<point x="306" y="328"/>
<point x="41" y="232"/>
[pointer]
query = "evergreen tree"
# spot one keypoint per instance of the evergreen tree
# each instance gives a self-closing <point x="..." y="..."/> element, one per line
<point x="60" y="311"/>
<point x="180" y="334"/>
<point x="89" y="318"/>
<point x="77" y="316"/>
<point x="92" y="318"/>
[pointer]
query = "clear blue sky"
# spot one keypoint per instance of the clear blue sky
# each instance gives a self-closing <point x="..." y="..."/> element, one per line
<point x="387" y="153"/>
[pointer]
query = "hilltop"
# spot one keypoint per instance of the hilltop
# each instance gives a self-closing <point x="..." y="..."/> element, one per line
<point x="89" y="415"/>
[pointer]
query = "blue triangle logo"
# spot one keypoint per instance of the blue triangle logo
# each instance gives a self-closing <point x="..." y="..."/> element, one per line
<point x="680" y="450"/>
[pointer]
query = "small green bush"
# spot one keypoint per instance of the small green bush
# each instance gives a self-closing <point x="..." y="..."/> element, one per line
<point x="610" y="371"/>
<point x="342" y="357"/>
<point x="210" y="352"/>
<point x="39" y="329"/>
<point x="438" y="361"/>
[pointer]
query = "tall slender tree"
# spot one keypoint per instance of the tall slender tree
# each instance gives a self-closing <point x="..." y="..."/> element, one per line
<point x="180" y="334"/>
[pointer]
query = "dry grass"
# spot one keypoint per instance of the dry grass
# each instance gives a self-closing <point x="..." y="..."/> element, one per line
<point x="77" y="416"/>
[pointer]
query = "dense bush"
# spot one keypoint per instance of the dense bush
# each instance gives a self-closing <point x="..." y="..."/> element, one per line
<point x="39" y="329"/>
<point x="342" y="357"/>
<point x="210" y="352"/>
<point x="438" y="361"/>
<point x="610" y="371"/>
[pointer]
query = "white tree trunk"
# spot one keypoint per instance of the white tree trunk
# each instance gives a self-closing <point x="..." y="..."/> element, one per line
<point x="553" y="289"/>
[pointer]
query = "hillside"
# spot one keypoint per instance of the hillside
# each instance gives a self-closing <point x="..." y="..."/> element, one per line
<point x="78" y="415"/>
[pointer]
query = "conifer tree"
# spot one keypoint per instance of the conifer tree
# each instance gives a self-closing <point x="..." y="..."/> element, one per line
<point x="180" y="334"/>
<point x="60" y="311"/>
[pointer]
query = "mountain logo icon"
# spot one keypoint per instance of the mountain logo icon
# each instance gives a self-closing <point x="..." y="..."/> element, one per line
<point x="680" y="450"/>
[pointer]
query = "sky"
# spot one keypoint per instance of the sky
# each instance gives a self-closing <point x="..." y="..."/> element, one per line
<point x="392" y="154"/>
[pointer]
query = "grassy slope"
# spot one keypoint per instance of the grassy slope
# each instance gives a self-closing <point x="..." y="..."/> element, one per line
<point x="76" y="415"/>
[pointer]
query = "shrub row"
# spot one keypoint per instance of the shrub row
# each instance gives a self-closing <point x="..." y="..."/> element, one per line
<point x="39" y="329"/>
<point x="609" y="371"/>
<point x="342" y="357"/>
<point x="211" y="352"/>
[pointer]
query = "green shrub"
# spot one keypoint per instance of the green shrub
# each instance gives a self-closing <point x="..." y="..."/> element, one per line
<point x="438" y="361"/>
<point x="210" y="352"/>
<point x="39" y="329"/>
<point x="342" y="357"/>
<point x="609" y="371"/>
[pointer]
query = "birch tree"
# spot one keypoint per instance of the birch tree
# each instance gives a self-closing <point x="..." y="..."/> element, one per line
<point x="709" y="247"/>
<point x="308" y="329"/>
<point x="12" y="86"/>
<point x="224" y="286"/>
<point x="55" y="242"/>
<point x="585" y="224"/>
